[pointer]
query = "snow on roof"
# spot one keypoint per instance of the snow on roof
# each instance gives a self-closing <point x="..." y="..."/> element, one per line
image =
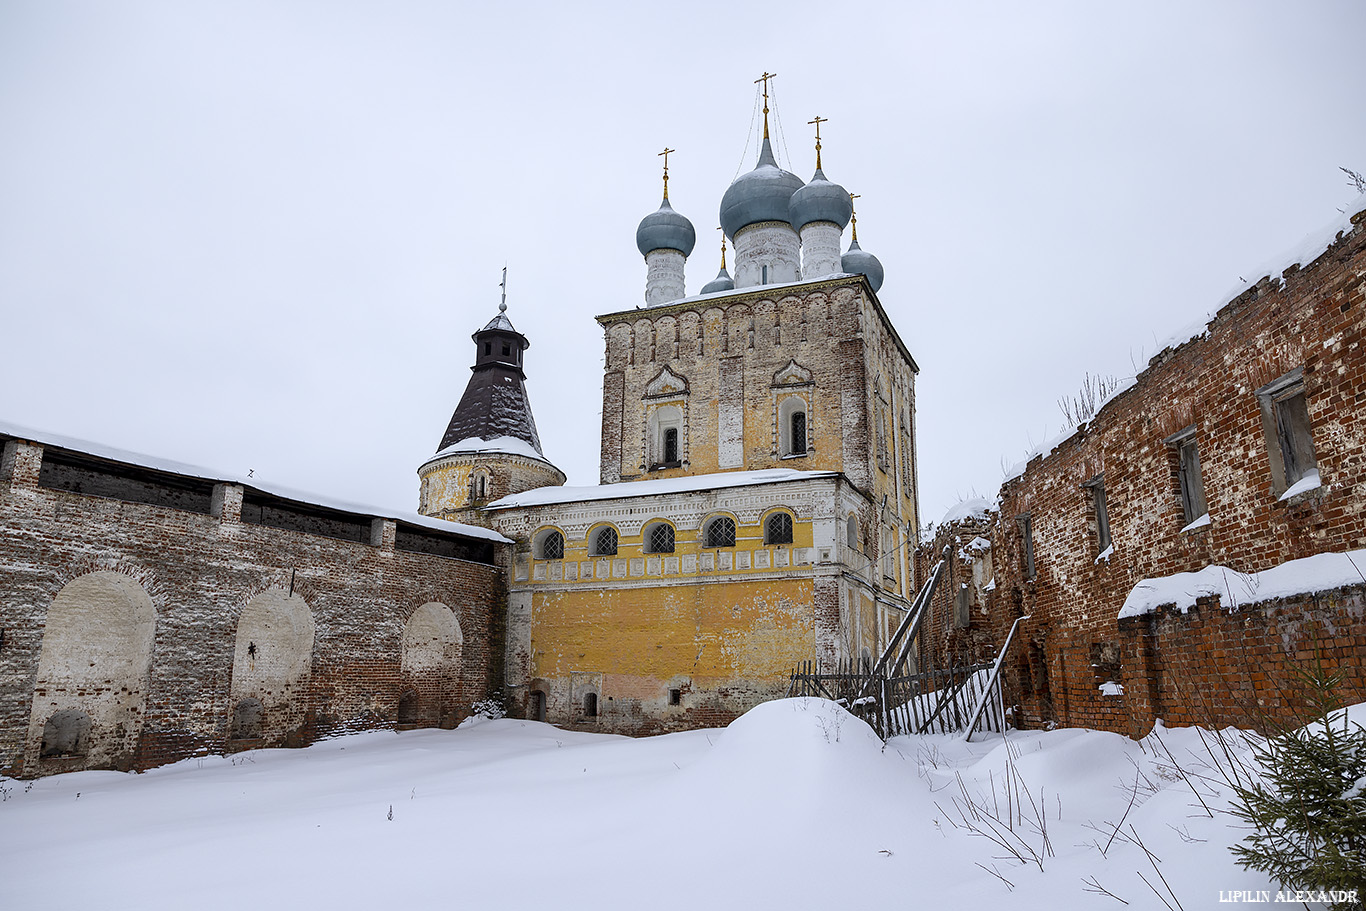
<point x="976" y="508"/>
<point x="542" y="496"/>
<point x="503" y="444"/>
<point x="1321" y="572"/>
<point x="99" y="450"/>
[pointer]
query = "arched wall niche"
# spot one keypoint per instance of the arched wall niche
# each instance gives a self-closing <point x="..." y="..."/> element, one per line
<point x="431" y="654"/>
<point x="273" y="658"/>
<point x="95" y="661"/>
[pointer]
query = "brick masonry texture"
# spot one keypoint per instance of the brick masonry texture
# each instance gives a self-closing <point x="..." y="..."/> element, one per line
<point x="1219" y="663"/>
<point x="200" y="573"/>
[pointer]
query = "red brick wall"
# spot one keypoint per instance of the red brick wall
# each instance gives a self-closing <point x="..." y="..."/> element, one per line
<point x="200" y="572"/>
<point x="1313" y="318"/>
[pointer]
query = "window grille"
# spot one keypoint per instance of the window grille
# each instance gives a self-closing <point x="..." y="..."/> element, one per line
<point x="778" y="529"/>
<point x="720" y="533"/>
<point x="605" y="543"/>
<point x="552" y="546"/>
<point x="671" y="445"/>
<point x="798" y="432"/>
<point x="661" y="538"/>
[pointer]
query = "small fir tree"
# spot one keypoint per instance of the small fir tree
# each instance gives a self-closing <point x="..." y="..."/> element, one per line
<point x="1308" y="810"/>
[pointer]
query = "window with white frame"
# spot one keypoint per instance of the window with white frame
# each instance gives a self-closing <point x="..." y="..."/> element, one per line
<point x="605" y="542"/>
<point x="778" y="528"/>
<point x="659" y="538"/>
<point x="666" y="437"/>
<point x="1290" y="443"/>
<point x="793" y="436"/>
<point x="719" y="532"/>
<point x="550" y="545"/>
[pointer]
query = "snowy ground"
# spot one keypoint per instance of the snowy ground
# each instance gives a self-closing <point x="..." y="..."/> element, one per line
<point x="796" y="805"/>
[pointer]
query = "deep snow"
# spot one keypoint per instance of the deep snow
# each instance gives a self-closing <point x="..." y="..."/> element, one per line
<point x="795" y="805"/>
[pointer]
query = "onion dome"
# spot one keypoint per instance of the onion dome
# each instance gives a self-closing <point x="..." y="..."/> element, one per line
<point x="820" y="200"/>
<point x="759" y="195"/>
<point x="665" y="229"/>
<point x="723" y="281"/>
<point x="858" y="261"/>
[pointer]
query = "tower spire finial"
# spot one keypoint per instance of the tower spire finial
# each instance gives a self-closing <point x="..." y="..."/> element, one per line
<point x="764" y="79"/>
<point x="723" y="247"/>
<point x="818" y="121"/>
<point x="503" y="304"/>
<point x="665" y="153"/>
<point x="853" y="216"/>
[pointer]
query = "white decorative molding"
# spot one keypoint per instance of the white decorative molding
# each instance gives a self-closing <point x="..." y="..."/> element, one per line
<point x="663" y="277"/>
<point x="820" y="249"/>
<point x="666" y="383"/>
<point x="769" y="243"/>
<point x="792" y="374"/>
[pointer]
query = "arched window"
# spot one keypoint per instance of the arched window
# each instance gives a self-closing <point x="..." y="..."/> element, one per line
<point x="852" y="531"/>
<point x="550" y="546"/>
<point x="479" y="486"/>
<point x="778" y="529"/>
<point x="659" y="538"/>
<point x="605" y="542"/>
<point x="665" y="437"/>
<point x="792" y="427"/>
<point x="720" y="532"/>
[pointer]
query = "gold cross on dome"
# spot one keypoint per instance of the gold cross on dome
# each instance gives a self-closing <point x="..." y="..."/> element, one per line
<point x="764" y="79"/>
<point x="666" y="153"/>
<point x="818" y="121"/>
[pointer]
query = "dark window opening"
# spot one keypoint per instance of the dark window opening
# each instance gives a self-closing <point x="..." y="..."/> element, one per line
<point x="590" y="705"/>
<point x="248" y="719"/>
<point x="507" y="350"/>
<point x="408" y="707"/>
<point x="962" y="607"/>
<point x="798" y="432"/>
<point x="66" y="733"/>
<point x="605" y="543"/>
<point x="660" y="539"/>
<point x="1026" y="524"/>
<point x="764" y="279"/>
<point x="778" y="529"/>
<point x="552" y="546"/>
<point x="1292" y="431"/>
<point x="488" y="348"/>
<point x="1099" y="512"/>
<point x="720" y="533"/>
<point x="1191" y="484"/>
<point x="537" y="705"/>
<point x="675" y="697"/>
<point x="670" y="446"/>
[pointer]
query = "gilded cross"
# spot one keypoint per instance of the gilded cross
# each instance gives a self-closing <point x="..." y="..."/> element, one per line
<point x="853" y="216"/>
<point x="818" y="121"/>
<point x="764" y="79"/>
<point x="665" y="153"/>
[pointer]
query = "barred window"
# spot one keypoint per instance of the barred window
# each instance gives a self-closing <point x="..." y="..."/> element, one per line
<point x="659" y="538"/>
<point x="552" y="546"/>
<point x="605" y="542"/>
<point x="670" y="445"/>
<point x="720" y="533"/>
<point x="778" y="529"/>
<point x="798" y="432"/>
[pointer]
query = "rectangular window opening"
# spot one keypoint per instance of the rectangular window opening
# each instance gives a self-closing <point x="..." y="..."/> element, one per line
<point x="675" y="697"/>
<point x="1289" y="439"/>
<point x="1026" y="523"/>
<point x="1100" y="513"/>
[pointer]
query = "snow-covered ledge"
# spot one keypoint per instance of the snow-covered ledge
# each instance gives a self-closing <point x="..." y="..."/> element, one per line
<point x="1319" y="573"/>
<point x="1310" y="481"/>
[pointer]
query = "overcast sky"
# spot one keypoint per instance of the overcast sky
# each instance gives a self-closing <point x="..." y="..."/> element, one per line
<point x="257" y="236"/>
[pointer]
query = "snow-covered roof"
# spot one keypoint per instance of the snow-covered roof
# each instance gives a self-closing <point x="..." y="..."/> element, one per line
<point x="1319" y="573"/>
<point x="504" y="444"/>
<point x="976" y="508"/>
<point x="154" y="463"/>
<point x="542" y="496"/>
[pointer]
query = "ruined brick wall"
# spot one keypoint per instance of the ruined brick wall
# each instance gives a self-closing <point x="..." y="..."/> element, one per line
<point x="315" y="629"/>
<point x="1206" y="390"/>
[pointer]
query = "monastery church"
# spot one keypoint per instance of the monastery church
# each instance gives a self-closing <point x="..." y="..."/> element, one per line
<point x="756" y="509"/>
<point x="757" y="504"/>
